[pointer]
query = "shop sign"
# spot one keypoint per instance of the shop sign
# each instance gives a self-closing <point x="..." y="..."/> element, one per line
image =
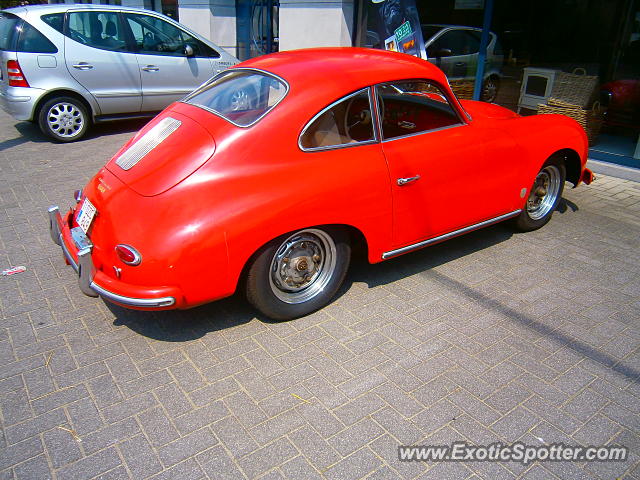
<point x="397" y="25"/>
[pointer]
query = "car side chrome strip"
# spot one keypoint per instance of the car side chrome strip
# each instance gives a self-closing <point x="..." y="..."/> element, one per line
<point x="455" y="233"/>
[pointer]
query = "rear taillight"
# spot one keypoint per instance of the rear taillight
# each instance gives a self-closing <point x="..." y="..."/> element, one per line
<point x="16" y="77"/>
<point x="128" y="254"/>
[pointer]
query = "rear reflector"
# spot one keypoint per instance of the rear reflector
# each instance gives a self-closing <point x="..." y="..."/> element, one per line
<point x="150" y="140"/>
<point x="128" y="254"/>
<point x="16" y="77"/>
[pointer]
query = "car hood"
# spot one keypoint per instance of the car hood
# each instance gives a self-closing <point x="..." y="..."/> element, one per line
<point x="166" y="151"/>
<point x="479" y="110"/>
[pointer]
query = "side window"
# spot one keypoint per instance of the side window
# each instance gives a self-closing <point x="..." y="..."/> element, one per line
<point x="32" y="41"/>
<point x="97" y="29"/>
<point x="54" y="20"/>
<point x="458" y="42"/>
<point x="412" y="107"/>
<point x="158" y="37"/>
<point x="346" y="122"/>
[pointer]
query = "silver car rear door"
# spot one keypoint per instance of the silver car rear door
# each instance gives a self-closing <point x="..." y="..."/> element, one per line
<point x="98" y="57"/>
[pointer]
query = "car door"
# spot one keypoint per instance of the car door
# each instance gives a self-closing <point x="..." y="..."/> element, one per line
<point x="443" y="178"/>
<point x="456" y="52"/>
<point x="168" y="72"/>
<point x="98" y="57"/>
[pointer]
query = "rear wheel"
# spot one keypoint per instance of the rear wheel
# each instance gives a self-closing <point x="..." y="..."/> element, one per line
<point x="298" y="273"/>
<point x="544" y="196"/>
<point x="490" y="89"/>
<point x="65" y="119"/>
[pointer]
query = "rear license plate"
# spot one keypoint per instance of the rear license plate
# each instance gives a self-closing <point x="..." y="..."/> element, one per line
<point x="85" y="217"/>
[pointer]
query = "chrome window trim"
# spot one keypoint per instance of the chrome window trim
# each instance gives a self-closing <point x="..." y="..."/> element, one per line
<point x="446" y="236"/>
<point x="233" y="70"/>
<point x="374" y="119"/>
<point x="425" y="132"/>
<point x="443" y="92"/>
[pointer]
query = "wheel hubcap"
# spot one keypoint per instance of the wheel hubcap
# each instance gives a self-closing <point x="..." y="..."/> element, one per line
<point x="544" y="193"/>
<point x="65" y="120"/>
<point x="240" y="101"/>
<point x="302" y="266"/>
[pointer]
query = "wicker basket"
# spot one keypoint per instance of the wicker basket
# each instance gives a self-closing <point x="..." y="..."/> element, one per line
<point x="576" y="88"/>
<point x="463" y="89"/>
<point x="590" y="120"/>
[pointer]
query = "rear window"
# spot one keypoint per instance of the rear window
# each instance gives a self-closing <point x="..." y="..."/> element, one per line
<point x="8" y="24"/>
<point x="32" y="41"/>
<point x="240" y="96"/>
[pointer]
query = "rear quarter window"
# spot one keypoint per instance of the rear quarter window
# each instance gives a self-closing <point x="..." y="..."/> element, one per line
<point x="8" y="30"/>
<point x="32" y="41"/>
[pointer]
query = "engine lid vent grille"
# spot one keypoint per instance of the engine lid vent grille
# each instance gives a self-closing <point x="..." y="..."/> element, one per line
<point x="150" y="140"/>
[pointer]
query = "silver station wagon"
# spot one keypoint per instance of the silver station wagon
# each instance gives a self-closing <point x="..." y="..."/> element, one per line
<point x="66" y="66"/>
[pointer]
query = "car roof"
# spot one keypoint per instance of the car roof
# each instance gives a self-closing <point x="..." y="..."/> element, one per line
<point x="333" y="71"/>
<point x="63" y="7"/>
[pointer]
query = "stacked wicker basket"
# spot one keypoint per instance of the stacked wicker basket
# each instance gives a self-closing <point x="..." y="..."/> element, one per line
<point x="574" y="95"/>
<point x="463" y="89"/>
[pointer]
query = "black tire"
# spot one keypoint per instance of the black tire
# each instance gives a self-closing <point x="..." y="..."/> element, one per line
<point x="65" y="119"/>
<point x="490" y="89"/>
<point x="544" y="196"/>
<point x="313" y="260"/>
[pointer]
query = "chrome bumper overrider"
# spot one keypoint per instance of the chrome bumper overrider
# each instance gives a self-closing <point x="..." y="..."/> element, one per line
<point x="85" y="269"/>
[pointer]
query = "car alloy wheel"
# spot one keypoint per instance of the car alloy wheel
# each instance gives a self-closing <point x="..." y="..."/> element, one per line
<point x="64" y="119"/>
<point x="490" y="90"/>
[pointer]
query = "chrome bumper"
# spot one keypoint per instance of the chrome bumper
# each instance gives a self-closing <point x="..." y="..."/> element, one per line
<point x="85" y="269"/>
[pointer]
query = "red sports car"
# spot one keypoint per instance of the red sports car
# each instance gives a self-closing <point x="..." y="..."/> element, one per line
<point x="266" y="176"/>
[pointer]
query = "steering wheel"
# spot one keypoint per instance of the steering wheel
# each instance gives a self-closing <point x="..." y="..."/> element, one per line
<point x="357" y="114"/>
<point x="78" y="37"/>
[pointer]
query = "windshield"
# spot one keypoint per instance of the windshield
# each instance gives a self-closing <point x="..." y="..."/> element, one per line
<point x="240" y="96"/>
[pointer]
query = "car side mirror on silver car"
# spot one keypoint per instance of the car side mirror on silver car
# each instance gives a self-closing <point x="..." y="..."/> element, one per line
<point x="188" y="50"/>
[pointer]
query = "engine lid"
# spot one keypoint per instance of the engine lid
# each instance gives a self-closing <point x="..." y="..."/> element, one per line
<point x="166" y="151"/>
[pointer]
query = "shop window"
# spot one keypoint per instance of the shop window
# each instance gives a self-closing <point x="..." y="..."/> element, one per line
<point x="344" y="123"/>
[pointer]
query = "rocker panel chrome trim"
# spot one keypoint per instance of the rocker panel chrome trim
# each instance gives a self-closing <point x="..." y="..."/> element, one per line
<point x="455" y="233"/>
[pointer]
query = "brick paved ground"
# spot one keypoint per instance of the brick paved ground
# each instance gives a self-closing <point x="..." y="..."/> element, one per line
<point x="490" y="337"/>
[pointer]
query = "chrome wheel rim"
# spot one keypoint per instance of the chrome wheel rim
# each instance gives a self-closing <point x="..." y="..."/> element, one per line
<point x="303" y="266"/>
<point x="544" y="193"/>
<point x="240" y="101"/>
<point x="65" y="120"/>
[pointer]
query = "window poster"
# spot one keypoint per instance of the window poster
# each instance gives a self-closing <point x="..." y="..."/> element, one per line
<point x="395" y="25"/>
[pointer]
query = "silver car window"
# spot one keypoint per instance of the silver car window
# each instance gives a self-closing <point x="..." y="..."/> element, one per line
<point x="157" y="37"/>
<point x="97" y="29"/>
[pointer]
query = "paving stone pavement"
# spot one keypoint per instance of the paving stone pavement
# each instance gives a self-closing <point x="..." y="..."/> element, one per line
<point x="490" y="337"/>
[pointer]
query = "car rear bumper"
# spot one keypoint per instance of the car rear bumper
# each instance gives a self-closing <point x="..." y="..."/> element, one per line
<point x="587" y="176"/>
<point x="77" y="248"/>
<point x="20" y="102"/>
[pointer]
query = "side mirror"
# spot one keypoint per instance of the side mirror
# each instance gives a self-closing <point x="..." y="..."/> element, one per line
<point x="188" y="50"/>
<point x="443" y="52"/>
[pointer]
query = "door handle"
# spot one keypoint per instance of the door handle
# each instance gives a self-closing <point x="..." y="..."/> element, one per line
<point x="150" y="68"/>
<point x="83" y="66"/>
<point x="404" y="181"/>
<point x="460" y="64"/>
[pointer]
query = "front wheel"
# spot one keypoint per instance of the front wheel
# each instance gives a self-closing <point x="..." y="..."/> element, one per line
<point x="298" y="273"/>
<point x="544" y="196"/>
<point x="65" y="119"/>
<point x="490" y="89"/>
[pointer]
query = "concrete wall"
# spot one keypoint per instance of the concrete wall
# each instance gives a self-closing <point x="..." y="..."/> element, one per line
<point x="215" y="20"/>
<point x="315" y="23"/>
